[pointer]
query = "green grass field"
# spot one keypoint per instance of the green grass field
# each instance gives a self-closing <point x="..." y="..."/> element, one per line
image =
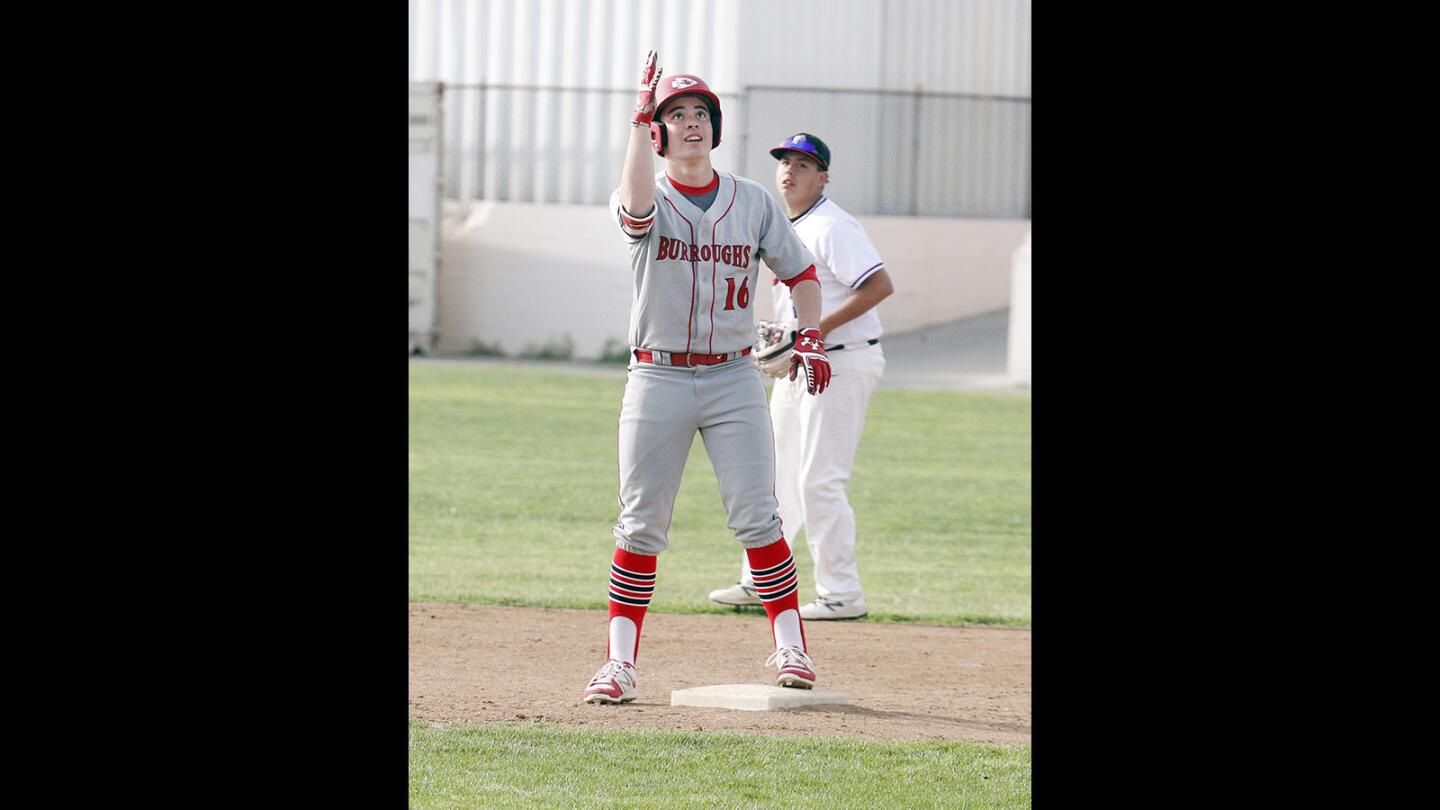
<point x="512" y="499"/>
<point x="518" y="463"/>
<point x="506" y="765"/>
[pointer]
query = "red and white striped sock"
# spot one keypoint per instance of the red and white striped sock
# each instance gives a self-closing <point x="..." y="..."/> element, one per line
<point x="777" y="585"/>
<point x="632" y="581"/>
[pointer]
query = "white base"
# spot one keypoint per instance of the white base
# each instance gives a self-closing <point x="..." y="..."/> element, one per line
<point x="752" y="697"/>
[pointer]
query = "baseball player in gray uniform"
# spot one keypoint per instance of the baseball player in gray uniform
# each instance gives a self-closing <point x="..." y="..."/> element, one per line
<point x="816" y="439"/>
<point x="696" y="239"/>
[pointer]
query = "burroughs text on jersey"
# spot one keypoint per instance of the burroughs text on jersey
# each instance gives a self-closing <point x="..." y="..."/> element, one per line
<point x="733" y="255"/>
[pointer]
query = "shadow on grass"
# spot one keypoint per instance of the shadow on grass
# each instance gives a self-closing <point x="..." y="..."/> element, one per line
<point x="880" y="618"/>
<point x="860" y="711"/>
<point x="709" y="609"/>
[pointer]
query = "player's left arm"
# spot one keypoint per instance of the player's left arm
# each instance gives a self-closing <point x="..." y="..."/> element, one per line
<point x="809" y="353"/>
<point x="871" y="291"/>
<point x="806" y="295"/>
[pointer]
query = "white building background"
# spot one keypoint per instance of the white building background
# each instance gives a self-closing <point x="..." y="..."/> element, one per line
<point x="924" y="103"/>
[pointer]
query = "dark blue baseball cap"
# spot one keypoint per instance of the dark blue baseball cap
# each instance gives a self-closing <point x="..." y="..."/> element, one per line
<point x="807" y="144"/>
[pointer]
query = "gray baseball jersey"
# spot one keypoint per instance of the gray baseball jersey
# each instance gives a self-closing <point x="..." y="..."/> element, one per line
<point x="695" y="271"/>
<point x="693" y="289"/>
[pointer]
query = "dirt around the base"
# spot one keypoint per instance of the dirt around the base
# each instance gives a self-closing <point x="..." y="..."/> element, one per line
<point x="480" y="664"/>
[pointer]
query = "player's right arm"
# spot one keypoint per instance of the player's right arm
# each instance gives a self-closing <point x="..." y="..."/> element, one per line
<point x="637" y="179"/>
<point x="874" y="289"/>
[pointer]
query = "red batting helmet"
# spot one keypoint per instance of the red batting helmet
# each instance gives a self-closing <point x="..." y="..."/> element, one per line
<point x="686" y="84"/>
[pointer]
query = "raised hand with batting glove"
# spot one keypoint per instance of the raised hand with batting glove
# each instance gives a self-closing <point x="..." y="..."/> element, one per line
<point x="645" y="99"/>
<point x="810" y="353"/>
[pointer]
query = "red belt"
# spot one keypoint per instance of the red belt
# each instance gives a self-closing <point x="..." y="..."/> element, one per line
<point x="659" y="358"/>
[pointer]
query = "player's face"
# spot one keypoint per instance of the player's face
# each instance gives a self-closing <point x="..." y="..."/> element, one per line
<point x="799" y="179"/>
<point x="689" y="128"/>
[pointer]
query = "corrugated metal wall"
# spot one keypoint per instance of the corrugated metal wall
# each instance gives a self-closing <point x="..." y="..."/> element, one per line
<point x="964" y="47"/>
<point x="953" y="46"/>
<point x="538" y="92"/>
<point x="569" y="43"/>
<point x="947" y="46"/>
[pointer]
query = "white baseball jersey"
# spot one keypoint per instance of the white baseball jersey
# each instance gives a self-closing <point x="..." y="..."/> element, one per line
<point x="695" y="271"/>
<point x="844" y="259"/>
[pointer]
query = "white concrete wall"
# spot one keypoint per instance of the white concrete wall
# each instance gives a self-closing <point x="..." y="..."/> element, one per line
<point x="519" y="275"/>
<point x="1017" y="358"/>
<point x="943" y="268"/>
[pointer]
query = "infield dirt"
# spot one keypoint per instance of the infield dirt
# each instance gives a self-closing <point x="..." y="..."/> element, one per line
<point x="482" y="664"/>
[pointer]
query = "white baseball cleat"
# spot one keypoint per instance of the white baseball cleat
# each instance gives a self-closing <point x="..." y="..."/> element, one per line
<point x="796" y="669"/>
<point x="614" y="683"/>
<point x="823" y="610"/>
<point x="738" y="594"/>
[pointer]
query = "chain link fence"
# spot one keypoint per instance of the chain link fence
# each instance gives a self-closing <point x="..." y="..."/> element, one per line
<point x="896" y="153"/>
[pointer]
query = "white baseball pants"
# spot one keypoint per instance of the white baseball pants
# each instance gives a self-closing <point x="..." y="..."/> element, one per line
<point x="816" y="438"/>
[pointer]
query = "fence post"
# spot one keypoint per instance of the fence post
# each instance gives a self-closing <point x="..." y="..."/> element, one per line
<point x="915" y="153"/>
<point x="480" y="103"/>
<point x="744" y="133"/>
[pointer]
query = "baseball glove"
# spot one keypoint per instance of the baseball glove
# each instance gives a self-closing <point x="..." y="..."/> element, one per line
<point x="773" y="345"/>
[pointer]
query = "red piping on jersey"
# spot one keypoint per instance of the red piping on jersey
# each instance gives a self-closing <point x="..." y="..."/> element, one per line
<point x="715" y="257"/>
<point x="809" y="274"/>
<point x="694" y="271"/>
<point x="714" y="181"/>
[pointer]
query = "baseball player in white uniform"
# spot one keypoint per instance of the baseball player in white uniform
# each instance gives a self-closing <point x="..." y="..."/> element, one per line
<point x="816" y="439"/>
<point x="696" y="239"/>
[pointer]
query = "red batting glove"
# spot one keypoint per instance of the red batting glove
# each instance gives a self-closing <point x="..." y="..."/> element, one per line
<point x="810" y="353"/>
<point x="645" y="99"/>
